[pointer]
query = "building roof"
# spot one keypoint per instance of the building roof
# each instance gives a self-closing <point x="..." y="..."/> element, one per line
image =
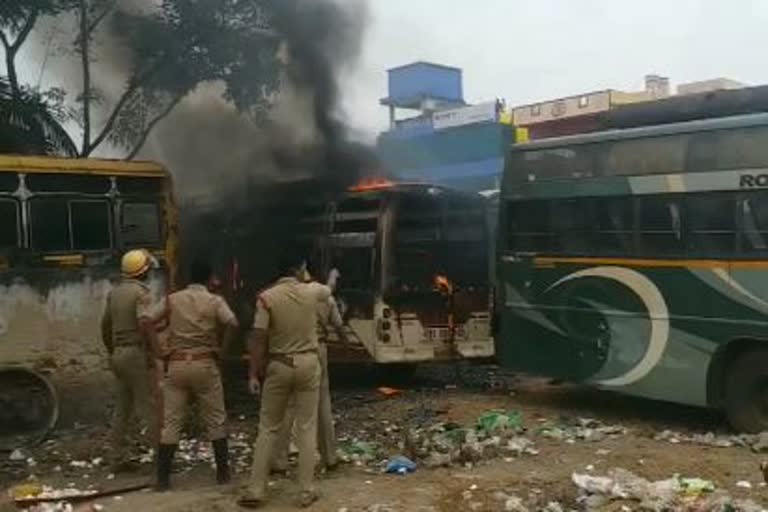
<point x="424" y="63"/>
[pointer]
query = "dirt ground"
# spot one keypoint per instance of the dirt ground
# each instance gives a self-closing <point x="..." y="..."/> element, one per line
<point x="540" y="479"/>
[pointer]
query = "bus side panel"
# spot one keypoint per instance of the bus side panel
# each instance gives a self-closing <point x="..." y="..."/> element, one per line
<point x="50" y="321"/>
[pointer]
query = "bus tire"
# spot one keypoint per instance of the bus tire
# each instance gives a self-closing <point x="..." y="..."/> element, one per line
<point x="746" y="392"/>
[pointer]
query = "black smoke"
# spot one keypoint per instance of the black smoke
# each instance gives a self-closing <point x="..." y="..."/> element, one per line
<point x="242" y="186"/>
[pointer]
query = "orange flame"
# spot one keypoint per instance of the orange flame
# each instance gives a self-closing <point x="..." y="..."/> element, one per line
<point x="371" y="184"/>
<point x="443" y="284"/>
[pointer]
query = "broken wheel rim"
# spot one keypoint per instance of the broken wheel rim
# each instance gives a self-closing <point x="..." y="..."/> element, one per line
<point x="29" y="407"/>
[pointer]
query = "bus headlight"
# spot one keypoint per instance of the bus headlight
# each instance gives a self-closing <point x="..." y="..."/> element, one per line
<point x="385" y="325"/>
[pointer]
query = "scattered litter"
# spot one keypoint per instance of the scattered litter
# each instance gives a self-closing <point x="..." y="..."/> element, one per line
<point x="744" y="484"/>
<point x="679" y="494"/>
<point x="583" y="429"/>
<point x="389" y="392"/>
<point x="400" y="465"/>
<point x="17" y="455"/>
<point x="494" y="421"/>
<point x="696" y="486"/>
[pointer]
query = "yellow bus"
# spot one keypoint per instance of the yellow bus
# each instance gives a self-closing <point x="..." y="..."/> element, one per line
<point x="64" y="224"/>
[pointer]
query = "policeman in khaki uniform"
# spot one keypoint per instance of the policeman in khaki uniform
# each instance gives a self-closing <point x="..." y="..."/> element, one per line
<point x="131" y="342"/>
<point x="284" y="356"/>
<point x="328" y="318"/>
<point x="195" y="318"/>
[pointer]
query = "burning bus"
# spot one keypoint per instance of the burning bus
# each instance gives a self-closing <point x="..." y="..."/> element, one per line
<point x="414" y="263"/>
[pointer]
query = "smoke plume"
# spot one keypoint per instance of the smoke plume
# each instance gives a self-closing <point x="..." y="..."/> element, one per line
<point x="230" y="173"/>
<point x="218" y="157"/>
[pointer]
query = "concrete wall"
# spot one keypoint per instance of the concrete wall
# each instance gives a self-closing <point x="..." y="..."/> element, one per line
<point x="51" y="323"/>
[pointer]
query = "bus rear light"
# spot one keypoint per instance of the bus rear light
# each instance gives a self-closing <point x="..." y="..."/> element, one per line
<point x="385" y="325"/>
<point x="386" y="313"/>
<point x="385" y="338"/>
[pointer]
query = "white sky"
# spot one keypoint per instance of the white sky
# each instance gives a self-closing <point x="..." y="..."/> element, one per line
<point x="532" y="50"/>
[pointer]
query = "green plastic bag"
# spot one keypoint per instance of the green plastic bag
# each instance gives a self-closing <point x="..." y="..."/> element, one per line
<point x="496" y="420"/>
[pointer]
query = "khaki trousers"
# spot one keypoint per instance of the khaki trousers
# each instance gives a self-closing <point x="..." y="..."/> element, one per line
<point x="193" y="380"/>
<point x="326" y="433"/>
<point x="300" y="383"/>
<point x="137" y="399"/>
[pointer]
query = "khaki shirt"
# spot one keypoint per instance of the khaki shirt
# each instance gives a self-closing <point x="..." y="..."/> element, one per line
<point x="127" y="303"/>
<point x="328" y="318"/>
<point x="288" y="312"/>
<point x="195" y="317"/>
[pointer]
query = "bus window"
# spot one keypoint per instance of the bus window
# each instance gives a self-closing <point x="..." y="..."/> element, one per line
<point x="567" y="162"/>
<point x="712" y="224"/>
<point x="81" y="183"/>
<point x="140" y="186"/>
<point x="357" y="215"/>
<point x="615" y="225"/>
<point x="529" y="229"/>
<point x="59" y="224"/>
<point x="9" y="181"/>
<point x="49" y="224"/>
<point x="90" y="221"/>
<point x="754" y="224"/>
<point x="464" y="221"/>
<point x="140" y="224"/>
<point x="9" y="223"/>
<point x="661" y="226"/>
<point x="743" y="148"/>
<point x="418" y="219"/>
<point x="651" y="155"/>
<point x="572" y="221"/>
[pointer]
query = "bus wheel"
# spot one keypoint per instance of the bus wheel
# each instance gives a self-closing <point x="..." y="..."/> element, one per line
<point x="29" y="407"/>
<point x="746" y="392"/>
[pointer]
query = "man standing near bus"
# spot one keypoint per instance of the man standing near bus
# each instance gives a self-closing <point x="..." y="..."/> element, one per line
<point x="131" y="342"/>
<point x="328" y="319"/>
<point x="196" y="317"/>
<point x="285" y="367"/>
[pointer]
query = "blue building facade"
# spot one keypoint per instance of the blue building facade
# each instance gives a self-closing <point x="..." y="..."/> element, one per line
<point x="446" y="142"/>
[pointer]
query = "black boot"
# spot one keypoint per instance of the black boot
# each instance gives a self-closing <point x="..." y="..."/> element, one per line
<point x="221" y="455"/>
<point x="164" y="463"/>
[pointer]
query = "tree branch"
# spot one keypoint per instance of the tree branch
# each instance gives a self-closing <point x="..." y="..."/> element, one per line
<point x="4" y="40"/>
<point x="100" y="17"/>
<point x="86" y="67"/>
<point x="162" y="115"/>
<point x="133" y="86"/>
<point x="24" y="32"/>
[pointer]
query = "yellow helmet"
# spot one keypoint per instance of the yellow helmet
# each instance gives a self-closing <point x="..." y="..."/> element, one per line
<point x="135" y="263"/>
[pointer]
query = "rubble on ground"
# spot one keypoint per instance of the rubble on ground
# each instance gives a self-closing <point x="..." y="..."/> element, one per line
<point x="581" y="429"/>
<point x="758" y="443"/>
<point x="675" y="493"/>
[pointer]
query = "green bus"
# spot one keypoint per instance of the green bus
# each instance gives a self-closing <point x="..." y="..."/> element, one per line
<point x="636" y="260"/>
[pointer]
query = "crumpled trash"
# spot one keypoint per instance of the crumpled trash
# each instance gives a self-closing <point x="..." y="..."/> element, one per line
<point x="656" y="496"/>
<point x="696" y="486"/>
<point x="496" y="420"/>
<point x="17" y="455"/>
<point x="583" y="429"/>
<point x="521" y="445"/>
<point x="359" y="451"/>
<point x="26" y="491"/>
<point x="400" y="465"/>
<point x="389" y="392"/>
<point x="515" y="504"/>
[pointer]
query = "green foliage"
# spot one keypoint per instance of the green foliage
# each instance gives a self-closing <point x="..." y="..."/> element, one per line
<point x="28" y="124"/>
